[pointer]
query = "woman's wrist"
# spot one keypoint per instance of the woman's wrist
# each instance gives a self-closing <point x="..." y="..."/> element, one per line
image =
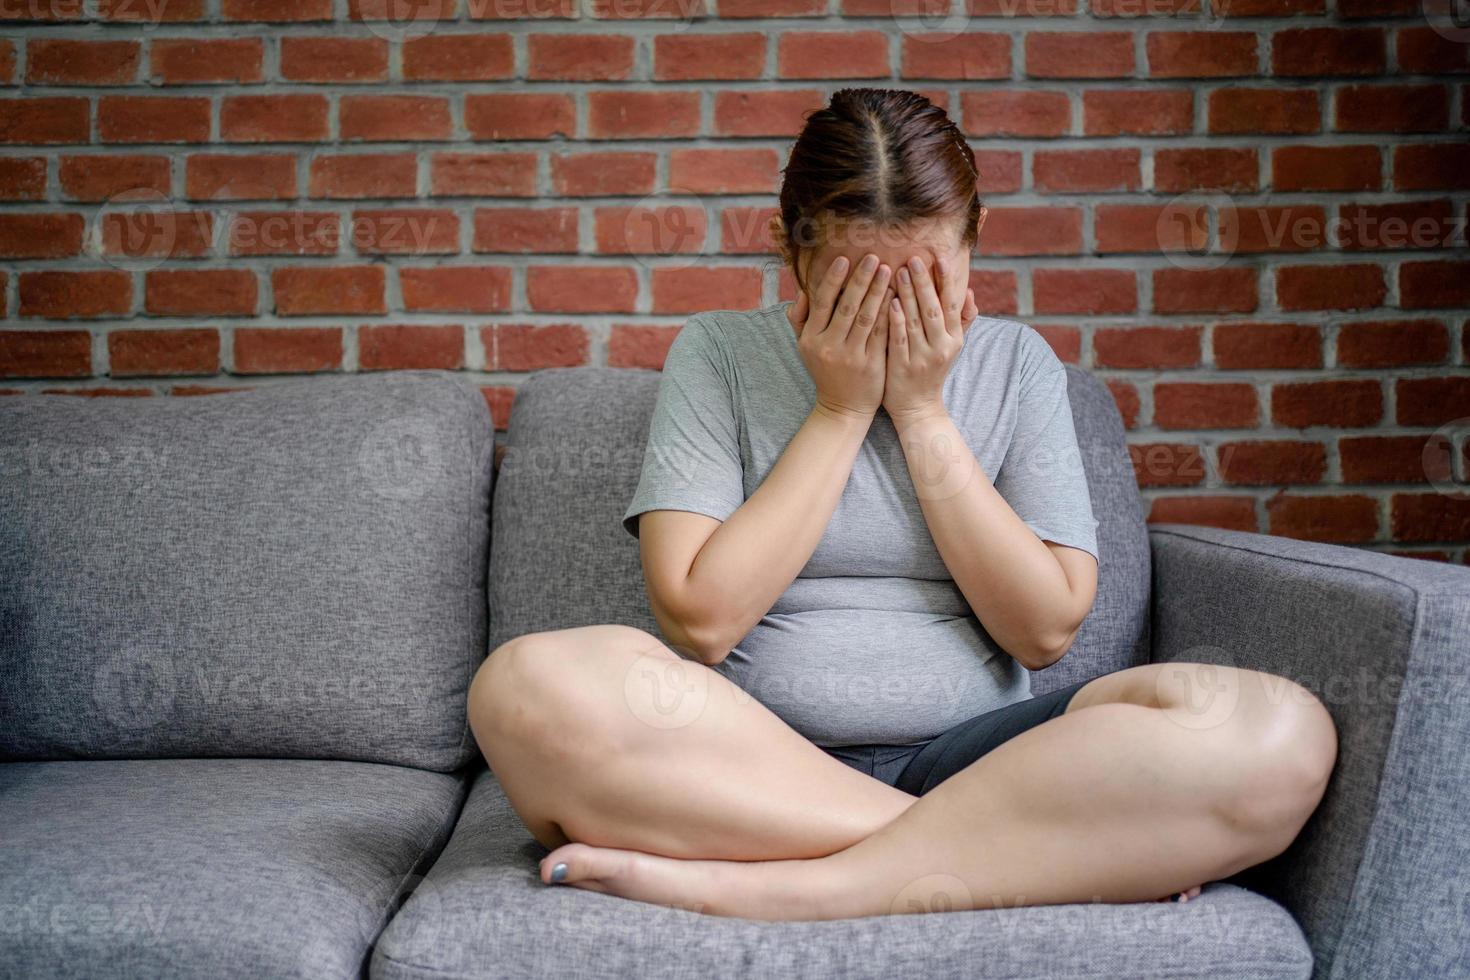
<point x="844" y="415"/>
<point x="911" y="416"/>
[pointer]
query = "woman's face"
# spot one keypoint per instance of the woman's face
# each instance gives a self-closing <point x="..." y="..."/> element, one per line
<point x="931" y="239"/>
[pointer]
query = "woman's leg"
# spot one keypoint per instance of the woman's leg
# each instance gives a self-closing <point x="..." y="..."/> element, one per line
<point x="1155" y="779"/>
<point x="603" y="735"/>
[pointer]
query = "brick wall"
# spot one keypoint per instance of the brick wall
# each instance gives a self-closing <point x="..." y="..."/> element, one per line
<point x="1249" y="219"/>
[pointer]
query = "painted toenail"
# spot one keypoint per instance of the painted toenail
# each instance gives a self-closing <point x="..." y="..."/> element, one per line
<point x="558" y="874"/>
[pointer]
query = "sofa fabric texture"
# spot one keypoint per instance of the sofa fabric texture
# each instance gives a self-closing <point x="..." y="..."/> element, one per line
<point x="294" y="571"/>
<point x="185" y="868"/>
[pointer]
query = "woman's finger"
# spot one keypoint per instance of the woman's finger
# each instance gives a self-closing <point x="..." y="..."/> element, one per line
<point x="853" y="294"/>
<point x="878" y="339"/>
<point x="913" y="324"/>
<point x="971" y="310"/>
<point x="951" y="289"/>
<point x="871" y="308"/>
<point x="825" y="299"/>
<point x="931" y="311"/>
<point x="898" y="333"/>
<point x="796" y="313"/>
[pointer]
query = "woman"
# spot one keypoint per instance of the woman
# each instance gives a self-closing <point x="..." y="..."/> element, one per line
<point x="863" y="519"/>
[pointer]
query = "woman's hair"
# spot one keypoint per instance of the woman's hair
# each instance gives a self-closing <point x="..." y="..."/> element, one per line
<point x="885" y="156"/>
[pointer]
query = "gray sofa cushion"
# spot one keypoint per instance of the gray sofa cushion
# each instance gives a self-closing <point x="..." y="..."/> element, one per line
<point x="295" y="571"/>
<point x="481" y="912"/>
<point x="574" y="451"/>
<point x="209" y="868"/>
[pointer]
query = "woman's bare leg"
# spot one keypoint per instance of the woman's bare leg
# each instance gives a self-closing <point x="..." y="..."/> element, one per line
<point x="1155" y="779"/>
<point x="603" y="735"/>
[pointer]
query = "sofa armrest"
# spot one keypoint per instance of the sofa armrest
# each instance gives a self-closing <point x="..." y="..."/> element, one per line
<point x="1377" y="877"/>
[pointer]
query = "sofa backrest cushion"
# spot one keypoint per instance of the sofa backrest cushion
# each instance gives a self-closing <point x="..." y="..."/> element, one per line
<point x="293" y="571"/>
<point x="560" y="556"/>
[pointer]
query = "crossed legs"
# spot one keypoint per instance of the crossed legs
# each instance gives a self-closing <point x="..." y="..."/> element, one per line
<point x="653" y="777"/>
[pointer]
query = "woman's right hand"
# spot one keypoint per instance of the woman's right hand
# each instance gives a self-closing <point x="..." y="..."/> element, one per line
<point x="842" y="333"/>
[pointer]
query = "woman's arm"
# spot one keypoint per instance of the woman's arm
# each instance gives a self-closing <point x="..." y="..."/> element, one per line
<point x="710" y="582"/>
<point x="1030" y="595"/>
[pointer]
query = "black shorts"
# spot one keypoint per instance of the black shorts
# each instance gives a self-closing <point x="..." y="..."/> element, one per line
<point x="918" y="768"/>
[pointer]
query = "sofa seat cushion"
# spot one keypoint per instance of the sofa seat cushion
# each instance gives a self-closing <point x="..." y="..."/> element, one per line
<point x="482" y="912"/>
<point x="209" y="868"/>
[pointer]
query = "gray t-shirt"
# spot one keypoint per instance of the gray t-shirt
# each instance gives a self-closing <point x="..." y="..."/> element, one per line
<point x="873" y="642"/>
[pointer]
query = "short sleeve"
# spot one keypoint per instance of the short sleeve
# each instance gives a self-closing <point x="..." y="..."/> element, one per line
<point x="1042" y="477"/>
<point x="692" y="461"/>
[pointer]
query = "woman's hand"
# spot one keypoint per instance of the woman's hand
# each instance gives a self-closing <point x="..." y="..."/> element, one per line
<point x="842" y="334"/>
<point x="926" y="330"/>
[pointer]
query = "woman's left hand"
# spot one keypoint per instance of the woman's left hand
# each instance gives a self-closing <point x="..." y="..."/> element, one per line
<point x="927" y="321"/>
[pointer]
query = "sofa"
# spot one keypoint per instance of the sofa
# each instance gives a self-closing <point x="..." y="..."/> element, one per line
<point x="236" y="634"/>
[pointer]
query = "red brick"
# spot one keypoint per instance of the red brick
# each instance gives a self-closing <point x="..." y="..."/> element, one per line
<point x="995" y="291"/>
<point x="97" y="178"/>
<point x="1377" y="8"/>
<point x="1146" y="347"/>
<point x="1295" y="228"/>
<point x="1432" y="401"/>
<point x="361" y="175"/>
<point x="1328" y="51"/>
<point x="1426" y="51"/>
<point x="1078" y="54"/>
<point x="1167" y="464"/>
<point x="1172" y="227"/>
<point x="1336" y="402"/>
<point x="308" y="290"/>
<point x="149" y="234"/>
<point x="1120" y="8"/>
<point x="276" y="11"/>
<point x="1392" y="109"/>
<point x="724" y="171"/>
<point x="1016" y="113"/>
<point x="1205" y="405"/>
<point x="22" y="178"/>
<point x="1145" y="112"/>
<point x="1086" y="171"/>
<point x="1258" y="110"/>
<point x="201" y="292"/>
<point x="45" y="354"/>
<point x="273" y="118"/>
<point x="832" y="54"/>
<point x="685" y="57"/>
<point x="287" y="350"/>
<point x="581" y="289"/>
<point x="200" y="61"/>
<point x="1065" y="342"/>
<point x="1330" y="287"/>
<point x="637" y="115"/>
<point x="700" y="288"/>
<point x="1431" y="166"/>
<point x="519" y="116"/>
<point x="579" y="57"/>
<point x="520" y="9"/>
<point x="525" y="230"/>
<point x="1201" y="54"/>
<point x="334" y="59"/>
<point x="1217" y="510"/>
<point x="1231" y="289"/>
<point x="1266" y="346"/>
<point x="1181" y="170"/>
<point x="600" y="174"/>
<point x="1268" y="8"/>
<point x="730" y="9"/>
<point x="405" y="231"/>
<point x="1326" y="168"/>
<point x="499" y="399"/>
<point x="632" y="346"/>
<point x="162" y="353"/>
<point x="1093" y="291"/>
<point x="1125" y="395"/>
<point x="1275" y="461"/>
<point x="684" y="10"/>
<point x="60" y="295"/>
<point x="746" y="231"/>
<point x="458" y="58"/>
<point x="1430" y="517"/>
<point x="1401" y="224"/>
<point x="99" y="392"/>
<point x="420" y="14"/>
<point x="393" y="117"/>
<point x="524" y="347"/>
<point x="144" y="119"/>
<point x="483" y="175"/>
<point x="253" y="177"/>
<point x="59" y="61"/>
<point x="1000" y="171"/>
<point x="1434" y="285"/>
<point x="395" y="348"/>
<point x="1392" y="343"/>
<point x="1383" y="459"/>
<point x="7" y="62"/>
<point x="1319" y="517"/>
<point x="285" y="233"/>
<point x="153" y="12"/>
<point x="769" y="113"/>
<point x="650" y="231"/>
<point x="40" y="236"/>
<point x="1032" y="231"/>
<point x="44" y="121"/>
<point x="962" y="56"/>
<point x="56" y="12"/>
<point x="455" y="289"/>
